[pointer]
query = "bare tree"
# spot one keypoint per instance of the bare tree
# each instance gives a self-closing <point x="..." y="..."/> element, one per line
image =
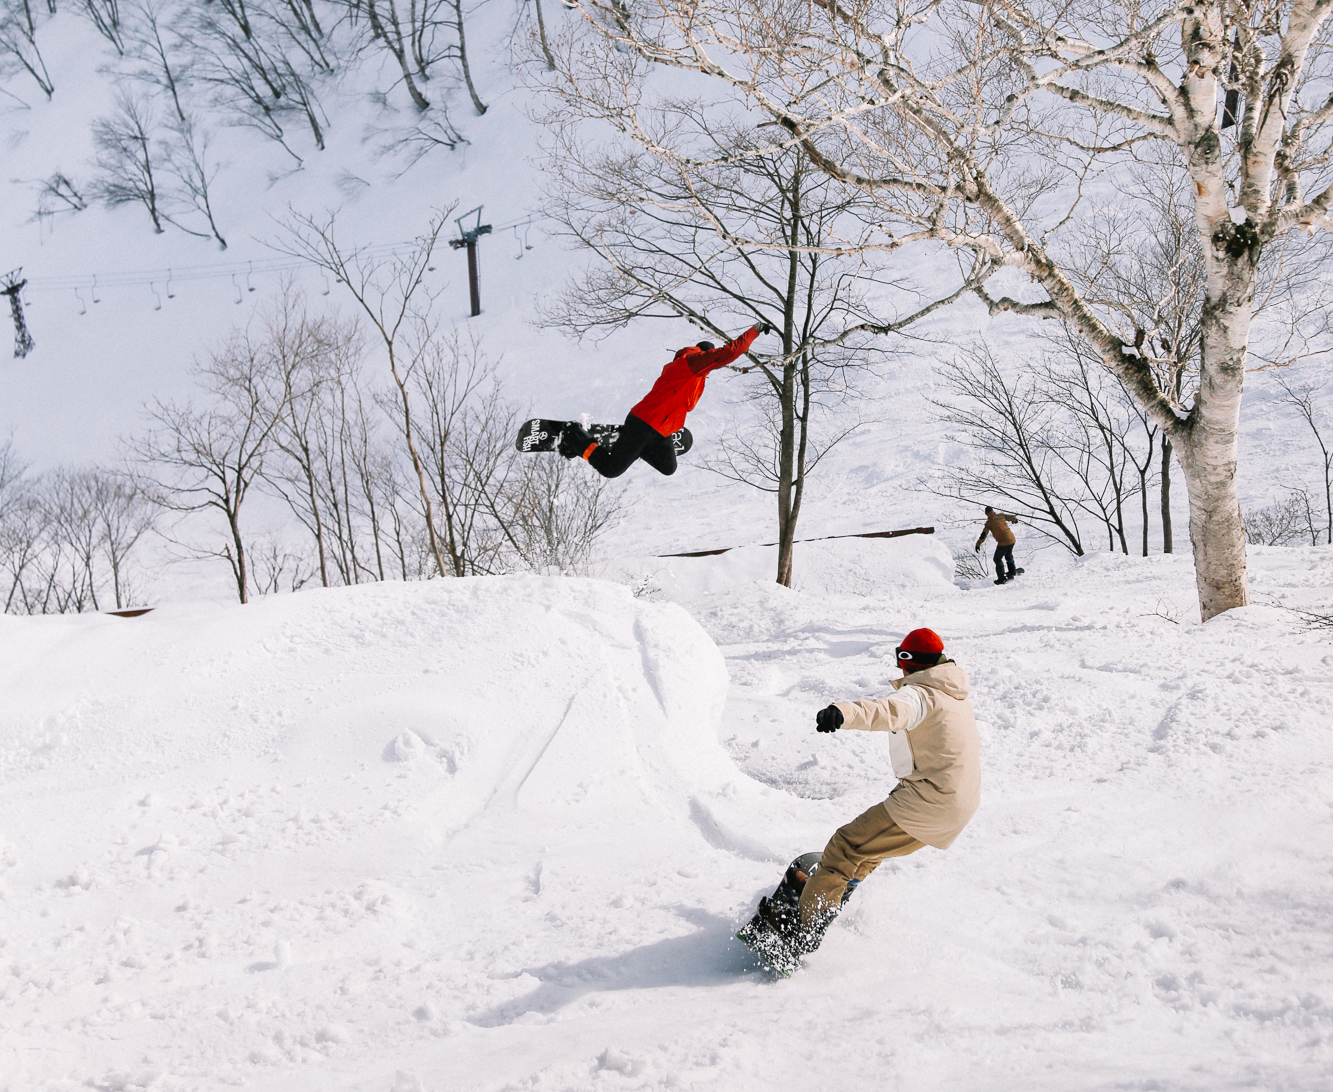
<point x="428" y="133"/>
<point x="465" y="430"/>
<point x="19" y="20"/>
<point x="762" y="237"/>
<point x="160" y="64"/>
<point x="557" y="516"/>
<point x="187" y="161"/>
<point x="1301" y="397"/>
<point x="419" y="35"/>
<point x="1143" y="263"/>
<point x="67" y="537"/>
<point x="74" y="535"/>
<point x="1057" y="439"/>
<point x="477" y="104"/>
<point x="57" y="194"/>
<point x="206" y="460"/>
<point x="389" y="289"/>
<point x="21" y="526"/>
<point x="1009" y="426"/>
<point x="939" y="112"/>
<point x="1092" y="437"/>
<point x="405" y="40"/>
<point x="124" y="513"/>
<point x="105" y="16"/>
<point x="263" y="60"/>
<point x="128" y="156"/>
<point x="331" y="472"/>
<point x="543" y="43"/>
<point x="276" y="567"/>
<point x="304" y="350"/>
<point x="1283" y="523"/>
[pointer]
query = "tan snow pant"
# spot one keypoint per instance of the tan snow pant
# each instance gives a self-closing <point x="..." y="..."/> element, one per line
<point x="854" y="852"/>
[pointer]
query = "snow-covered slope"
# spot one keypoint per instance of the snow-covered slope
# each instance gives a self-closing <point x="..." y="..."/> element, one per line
<point x="496" y="834"/>
<point x="319" y="807"/>
<point x="493" y="834"/>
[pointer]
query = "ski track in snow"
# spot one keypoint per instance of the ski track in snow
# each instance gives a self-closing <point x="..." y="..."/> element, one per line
<point x="326" y="842"/>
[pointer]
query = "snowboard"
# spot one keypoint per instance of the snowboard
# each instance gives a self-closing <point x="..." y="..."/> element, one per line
<point x="540" y="434"/>
<point x="1016" y="573"/>
<point x="774" y="933"/>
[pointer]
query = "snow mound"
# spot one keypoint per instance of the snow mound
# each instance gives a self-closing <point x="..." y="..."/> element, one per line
<point x="552" y="693"/>
<point x="316" y="786"/>
<point x="848" y="566"/>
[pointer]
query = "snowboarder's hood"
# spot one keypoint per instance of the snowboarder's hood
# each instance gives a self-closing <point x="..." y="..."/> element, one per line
<point x="948" y="678"/>
<point x="687" y="351"/>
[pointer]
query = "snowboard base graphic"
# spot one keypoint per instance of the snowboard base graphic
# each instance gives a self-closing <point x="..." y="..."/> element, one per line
<point x="539" y="434"/>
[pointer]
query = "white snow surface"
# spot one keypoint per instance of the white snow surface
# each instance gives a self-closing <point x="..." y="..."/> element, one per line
<point x="497" y="834"/>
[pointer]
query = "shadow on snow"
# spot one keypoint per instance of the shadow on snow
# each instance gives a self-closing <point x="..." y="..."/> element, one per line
<point x="710" y="956"/>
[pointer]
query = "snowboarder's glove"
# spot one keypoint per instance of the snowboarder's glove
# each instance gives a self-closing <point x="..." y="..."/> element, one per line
<point x="828" y="720"/>
<point x="765" y="327"/>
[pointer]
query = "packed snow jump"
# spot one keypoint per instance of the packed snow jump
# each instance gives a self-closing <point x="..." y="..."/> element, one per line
<point x="936" y="755"/>
<point x="654" y="429"/>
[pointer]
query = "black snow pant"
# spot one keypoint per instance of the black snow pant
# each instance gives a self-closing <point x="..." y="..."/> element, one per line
<point x="1002" y="554"/>
<point x="637" y="440"/>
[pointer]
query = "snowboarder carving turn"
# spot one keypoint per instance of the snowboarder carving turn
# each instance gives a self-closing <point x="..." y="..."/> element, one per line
<point x="997" y="524"/>
<point x="936" y="755"/>
<point x="646" y="433"/>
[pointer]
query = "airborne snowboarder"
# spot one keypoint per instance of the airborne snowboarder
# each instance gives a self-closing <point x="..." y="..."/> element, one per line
<point x="936" y="755"/>
<point x="650" y="424"/>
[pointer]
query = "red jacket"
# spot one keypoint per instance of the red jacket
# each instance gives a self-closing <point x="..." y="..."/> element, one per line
<point x="679" y="387"/>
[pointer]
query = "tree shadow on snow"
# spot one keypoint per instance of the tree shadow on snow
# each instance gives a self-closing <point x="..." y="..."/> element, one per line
<point x="710" y="956"/>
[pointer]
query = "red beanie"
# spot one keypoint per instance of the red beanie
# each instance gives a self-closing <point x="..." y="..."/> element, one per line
<point x="921" y="646"/>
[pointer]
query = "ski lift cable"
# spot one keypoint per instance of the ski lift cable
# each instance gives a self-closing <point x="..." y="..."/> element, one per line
<point x="178" y="273"/>
<point x="218" y="271"/>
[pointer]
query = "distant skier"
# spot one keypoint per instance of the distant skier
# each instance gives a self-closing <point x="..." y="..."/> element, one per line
<point x="648" y="426"/>
<point x="936" y="755"/>
<point x="997" y="524"/>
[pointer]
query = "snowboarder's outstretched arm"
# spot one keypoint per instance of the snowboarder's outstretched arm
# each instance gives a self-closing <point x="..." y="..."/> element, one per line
<point x="901" y="712"/>
<point x="709" y="360"/>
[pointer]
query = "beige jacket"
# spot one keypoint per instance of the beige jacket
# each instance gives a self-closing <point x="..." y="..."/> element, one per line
<point x="934" y="747"/>
<point x="997" y="524"/>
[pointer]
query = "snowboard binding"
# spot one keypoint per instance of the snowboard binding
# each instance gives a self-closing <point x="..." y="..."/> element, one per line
<point x="774" y="934"/>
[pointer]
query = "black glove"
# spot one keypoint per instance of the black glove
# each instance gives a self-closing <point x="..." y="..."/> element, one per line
<point x="828" y="720"/>
<point x="765" y="327"/>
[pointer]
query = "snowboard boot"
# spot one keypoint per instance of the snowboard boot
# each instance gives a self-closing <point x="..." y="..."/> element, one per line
<point x="774" y="933"/>
<point x="575" y="441"/>
<point x="1002" y="580"/>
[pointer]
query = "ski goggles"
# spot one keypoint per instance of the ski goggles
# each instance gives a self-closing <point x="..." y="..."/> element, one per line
<point x="907" y="656"/>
